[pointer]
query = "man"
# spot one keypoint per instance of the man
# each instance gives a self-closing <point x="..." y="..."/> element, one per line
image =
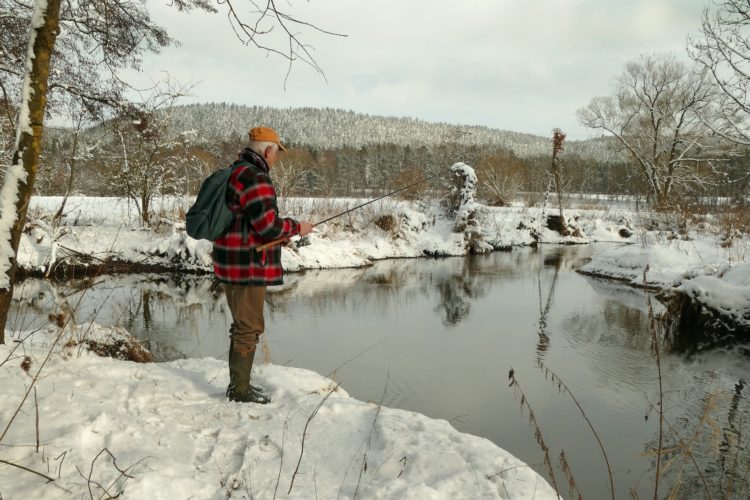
<point x="243" y="271"/>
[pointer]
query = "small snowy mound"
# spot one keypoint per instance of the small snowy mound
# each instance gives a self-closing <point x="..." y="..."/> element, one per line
<point x="666" y="265"/>
<point x="165" y="430"/>
<point x="727" y="297"/>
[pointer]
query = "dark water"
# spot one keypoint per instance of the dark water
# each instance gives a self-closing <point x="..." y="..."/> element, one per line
<point x="440" y="336"/>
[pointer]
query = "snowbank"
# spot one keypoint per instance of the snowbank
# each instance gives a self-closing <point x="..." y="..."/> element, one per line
<point x="97" y="230"/>
<point x="165" y="431"/>
<point x="700" y="269"/>
<point x="101" y="230"/>
<point x="727" y="296"/>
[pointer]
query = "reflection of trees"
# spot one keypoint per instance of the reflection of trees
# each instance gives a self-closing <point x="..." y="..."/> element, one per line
<point x="458" y="290"/>
<point x="731" y="443"/>
<point x="453" y="300"/>
<point x="545" y="305"/>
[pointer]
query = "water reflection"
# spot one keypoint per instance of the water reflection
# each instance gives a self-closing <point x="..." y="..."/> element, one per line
<point x="447" y="331"/>
<point x="555" y="261"/>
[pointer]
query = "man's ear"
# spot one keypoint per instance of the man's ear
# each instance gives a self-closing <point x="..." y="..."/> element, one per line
<point x="267" y="152"/>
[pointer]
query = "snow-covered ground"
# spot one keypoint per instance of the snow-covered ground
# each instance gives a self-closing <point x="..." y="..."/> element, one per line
<point x="713" y="275"/>
<point x="95" y="229"/>
<point x="172" y="434"/>
<point x="165" y="431"/>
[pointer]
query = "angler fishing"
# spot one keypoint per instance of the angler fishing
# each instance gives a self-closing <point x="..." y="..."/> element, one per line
<point x="236" y="208"/>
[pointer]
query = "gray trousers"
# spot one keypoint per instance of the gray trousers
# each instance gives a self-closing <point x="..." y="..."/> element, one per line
<point x="246" y="305"/>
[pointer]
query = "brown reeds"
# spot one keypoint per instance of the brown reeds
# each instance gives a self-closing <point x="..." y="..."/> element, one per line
<point x="557" y="381"/>
<point x="535" y="425"/>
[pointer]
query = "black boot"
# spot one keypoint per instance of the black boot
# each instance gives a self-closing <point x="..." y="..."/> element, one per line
<point x="240" y="390"/>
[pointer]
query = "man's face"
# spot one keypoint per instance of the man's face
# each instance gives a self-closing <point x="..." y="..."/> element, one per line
<point x="272" y="155"/>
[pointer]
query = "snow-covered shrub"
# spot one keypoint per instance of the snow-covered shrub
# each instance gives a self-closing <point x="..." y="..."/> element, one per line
<point x="461" y="206"/>
<point x="72" y="339"/>
<point x="119" y="345"/>
<point x="179" y="247"/>
<point x="386" y="222"/>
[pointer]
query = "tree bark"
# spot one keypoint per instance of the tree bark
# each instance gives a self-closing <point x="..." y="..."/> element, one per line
<point x="29" y="137"/>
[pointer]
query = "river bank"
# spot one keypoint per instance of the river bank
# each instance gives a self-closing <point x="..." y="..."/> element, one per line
<point x="681" y="257"/>
<point x="165" y="430"/>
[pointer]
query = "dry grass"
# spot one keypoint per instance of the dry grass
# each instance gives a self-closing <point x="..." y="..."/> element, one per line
<point x="386" y="222"/>
<point x="129" y="350"/>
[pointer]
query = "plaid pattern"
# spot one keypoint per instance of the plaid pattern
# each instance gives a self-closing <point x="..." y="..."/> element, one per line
<point x="252" y="196"/>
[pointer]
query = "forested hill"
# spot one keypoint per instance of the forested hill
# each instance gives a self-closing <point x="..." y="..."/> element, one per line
<point x="334" y="128"/>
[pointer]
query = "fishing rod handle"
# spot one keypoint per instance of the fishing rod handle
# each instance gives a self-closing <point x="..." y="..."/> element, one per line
<point x="273" y="243"/>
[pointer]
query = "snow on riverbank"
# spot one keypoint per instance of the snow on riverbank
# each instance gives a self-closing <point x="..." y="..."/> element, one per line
<point x="713" y="276"/>
<point x="108" y="228"/>
<point x="100" y="229"/>
<point x="165" y="430"/>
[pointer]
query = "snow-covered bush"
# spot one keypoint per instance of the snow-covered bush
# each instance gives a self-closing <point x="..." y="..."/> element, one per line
<point x="461" y="205"/>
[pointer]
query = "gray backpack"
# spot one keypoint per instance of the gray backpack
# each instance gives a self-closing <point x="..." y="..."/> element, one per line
<point x="209" y="218"/>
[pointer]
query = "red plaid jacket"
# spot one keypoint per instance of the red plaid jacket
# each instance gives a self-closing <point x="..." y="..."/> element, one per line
<point x="252" y="196"/>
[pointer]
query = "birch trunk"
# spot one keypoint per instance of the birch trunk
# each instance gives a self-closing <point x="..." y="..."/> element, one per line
<point x="19" y="178"/>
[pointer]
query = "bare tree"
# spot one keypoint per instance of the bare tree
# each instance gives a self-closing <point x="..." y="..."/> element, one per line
<point x="656" y="113"/>
<point x="290" y="174"/>
<point x="55" y="49"/>
<point x="558" y="144"/>
<point x="149" y="155"/>
<point x="7" y="127"/>
<point x="500" y="177"/>
<point x="65" y="169"/>
<point x="723" y="49"/>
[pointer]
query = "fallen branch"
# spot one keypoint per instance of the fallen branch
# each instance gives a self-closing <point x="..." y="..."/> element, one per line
<point x="304" y="433"/>
<point x="49" y="479"/>
<point x="363" y="467"/>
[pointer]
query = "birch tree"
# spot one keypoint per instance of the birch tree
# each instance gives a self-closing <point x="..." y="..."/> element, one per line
<point x="19" y="176"/>
<point x="77" y="48"/>
<point x="150" y="157"/>
<point x="657" y="113"/>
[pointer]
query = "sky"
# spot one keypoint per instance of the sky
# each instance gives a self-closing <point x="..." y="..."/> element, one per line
<point x="520" y="65"/>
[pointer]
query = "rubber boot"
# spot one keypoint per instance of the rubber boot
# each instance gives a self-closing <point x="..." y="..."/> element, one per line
<point x="239" y="388"/>
<point x="253" y="388"/>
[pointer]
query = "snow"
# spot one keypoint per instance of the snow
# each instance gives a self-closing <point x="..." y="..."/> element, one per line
<point x="668" y="263"/>
<point x="701" y="268"/>
<point x="170" y="428"/>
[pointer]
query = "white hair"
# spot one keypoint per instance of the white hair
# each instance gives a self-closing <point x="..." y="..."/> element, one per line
<point x="260" y="146"/>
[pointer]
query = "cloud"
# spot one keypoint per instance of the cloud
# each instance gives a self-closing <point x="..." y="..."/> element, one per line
<point x="518" y="65"/>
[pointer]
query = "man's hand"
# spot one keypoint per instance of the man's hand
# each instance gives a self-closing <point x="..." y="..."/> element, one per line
<point x="305" y="228"/>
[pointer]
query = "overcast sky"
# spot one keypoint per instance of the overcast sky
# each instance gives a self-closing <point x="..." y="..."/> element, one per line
<point x="521" y="65"/>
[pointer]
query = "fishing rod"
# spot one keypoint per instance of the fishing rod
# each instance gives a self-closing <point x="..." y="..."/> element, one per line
<point x="281" y="240"/>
